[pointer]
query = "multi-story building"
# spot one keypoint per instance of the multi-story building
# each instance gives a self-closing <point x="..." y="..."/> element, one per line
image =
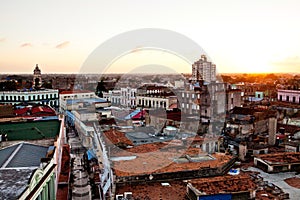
<point x="233" y="98"/>
<point x="80" y="99"/>
<point x="153" y="96"/>
<point x="292" y="96"/>
<point x="46" y="97"/>
<point x="204" y="70"/>
<point x="113" y="96"/>
<point x="128" y="97"/>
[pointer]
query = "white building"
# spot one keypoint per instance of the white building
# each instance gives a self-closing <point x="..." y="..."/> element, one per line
<point x="46" y="97"/>
<point x="114" y="96"/>
<point x="204" y="70"/>
<point x="156" y="101"/>
<point x="128" y="97"/>
<point x="78" y="99"/>
<point x="292" y="96"/>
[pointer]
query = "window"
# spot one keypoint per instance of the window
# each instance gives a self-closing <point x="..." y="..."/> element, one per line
<point x="231" y="100"/>
<point x="294" y="99"/>
<point x="280" y="97"/>
<point x="287" y="98"/>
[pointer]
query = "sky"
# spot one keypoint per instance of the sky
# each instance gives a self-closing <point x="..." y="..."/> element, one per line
<point x="238" y="36"/>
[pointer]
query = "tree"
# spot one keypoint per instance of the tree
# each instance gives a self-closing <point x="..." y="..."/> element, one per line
<point x="100" y="89"/>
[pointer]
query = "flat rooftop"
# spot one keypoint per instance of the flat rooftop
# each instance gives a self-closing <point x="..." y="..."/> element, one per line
<point x="31" y="130"/>
<point x="164" y="157"/>
<point x="281" y="158"/>
<point x="173" y="190"/>
<point x="224" y="184"/>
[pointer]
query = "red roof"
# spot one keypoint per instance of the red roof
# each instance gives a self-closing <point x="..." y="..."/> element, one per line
<point x="139" y="115"/>
<point x="36" y="111"/>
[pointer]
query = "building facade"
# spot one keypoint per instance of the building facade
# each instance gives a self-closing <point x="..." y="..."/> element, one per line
<point x="204" y="70"/>
<point x="292" y="96"/>
<point x="128" y="97"/>
<point x="46" y="97"/>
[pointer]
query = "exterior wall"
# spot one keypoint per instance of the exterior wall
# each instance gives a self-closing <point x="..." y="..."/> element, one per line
<point x="128" y="97"/>
<point x="86" y="116"/>
<point x="42" y="184"/>
<point x="204" y="70"/>
<point x="47" y="97"/>
<point x="114" y="96"/>
<point x="289" y="148"/>
<point x="272" y="131"/>
<point x="233" y="99"/>
<point x="155" y="102"/>
<point x="292" y="96"/>
<point x="64" y="97"/>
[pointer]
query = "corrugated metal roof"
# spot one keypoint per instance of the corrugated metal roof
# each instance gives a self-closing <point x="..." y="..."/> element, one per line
<point x="23" y="155"/>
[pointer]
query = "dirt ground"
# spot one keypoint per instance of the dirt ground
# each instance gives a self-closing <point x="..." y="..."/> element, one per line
<point x="294" y="182"/>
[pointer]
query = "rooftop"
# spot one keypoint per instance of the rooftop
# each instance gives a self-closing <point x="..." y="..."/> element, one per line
<point x="173" y="190"/>
<point x="224" y="184"/>
<point x="31" y="130"/>
<point x="164" y="157"/>
<point x="281" y="158"/>
<point x="75" y="91"/>
<point x="13" y="182"/>
<point x="22" y="155"/>
<point x="87" y="100"/>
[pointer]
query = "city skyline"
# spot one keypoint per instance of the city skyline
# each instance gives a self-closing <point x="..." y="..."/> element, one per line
<point x="245" y="37"/>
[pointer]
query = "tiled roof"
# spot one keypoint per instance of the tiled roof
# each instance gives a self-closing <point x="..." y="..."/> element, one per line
<point x="23" y="155"/>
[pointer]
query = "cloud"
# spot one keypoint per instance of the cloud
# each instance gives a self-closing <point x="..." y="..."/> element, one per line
<point x="2" y="39"/>
<point x="291" y="63"/>
<point x="62" y="45"/>
<point x="26" y="44"/>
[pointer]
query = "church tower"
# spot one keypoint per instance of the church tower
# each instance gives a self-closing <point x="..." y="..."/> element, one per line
<point x="37" y="77"/>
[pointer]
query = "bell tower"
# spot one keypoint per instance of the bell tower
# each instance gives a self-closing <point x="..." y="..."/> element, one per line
<point x="37" y="77"/>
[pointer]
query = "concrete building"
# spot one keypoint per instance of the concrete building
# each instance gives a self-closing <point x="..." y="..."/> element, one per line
<point x="239" y="186"/>
<point x="204" y="70"/>
<point x="292" y="96"/>
<point x="278" y="162"/>
<point x="154" y="97"/>
<point x="113" y="96"/>
<point x="47" y="97"/>
<point x="74" y="99"/>
<point x="128" y="97"/>
<point x="31" y="159"/>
